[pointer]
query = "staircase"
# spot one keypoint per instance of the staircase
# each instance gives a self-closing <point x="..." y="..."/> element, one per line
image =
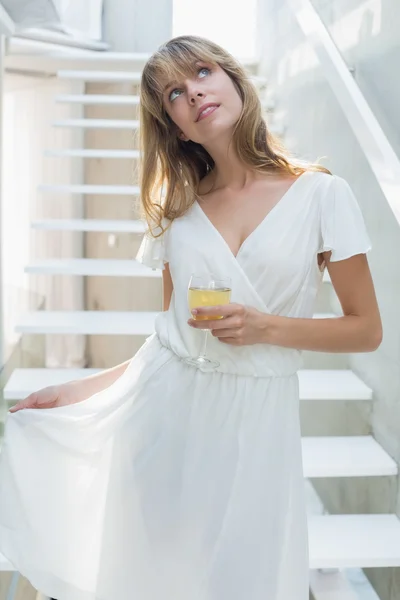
<point x="340" y="545"/>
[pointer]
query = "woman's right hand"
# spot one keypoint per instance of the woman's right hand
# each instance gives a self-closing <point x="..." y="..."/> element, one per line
<point x="49" y="397"/>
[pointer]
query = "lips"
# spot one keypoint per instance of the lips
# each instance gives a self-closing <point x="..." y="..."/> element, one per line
<point x="204" y="107"/>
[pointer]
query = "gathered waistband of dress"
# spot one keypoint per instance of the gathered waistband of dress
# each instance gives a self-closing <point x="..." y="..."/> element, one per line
<point x="223" y="371"/>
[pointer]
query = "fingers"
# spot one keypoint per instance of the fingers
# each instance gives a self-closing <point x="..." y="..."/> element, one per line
<point x="223" y="310"/>
<point x="233" y="322"/>
<point x="232" y="341"/>
<point x="210" y="323"/>
<point x="28" y="402"/>
<point x="227" y="333"/>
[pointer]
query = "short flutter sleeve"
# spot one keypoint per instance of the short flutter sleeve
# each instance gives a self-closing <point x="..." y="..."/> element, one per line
<point x="343" y="229"/>
<point x="153" y="251"/>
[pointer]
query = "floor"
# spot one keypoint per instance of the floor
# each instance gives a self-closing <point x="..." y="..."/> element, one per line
<point x="24" y="590"/>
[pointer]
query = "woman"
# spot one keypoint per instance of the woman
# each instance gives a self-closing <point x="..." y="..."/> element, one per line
<point x="158" y="479"/>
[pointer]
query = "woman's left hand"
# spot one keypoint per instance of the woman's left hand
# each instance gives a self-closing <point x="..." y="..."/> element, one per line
<point x="241" y="325"/>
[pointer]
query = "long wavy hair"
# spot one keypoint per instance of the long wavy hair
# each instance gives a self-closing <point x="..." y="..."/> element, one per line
<point x="170" y="169"/>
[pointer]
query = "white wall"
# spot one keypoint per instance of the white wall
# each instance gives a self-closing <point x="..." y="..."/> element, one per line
<point x="232" y="24"/>
<point x="137" y="25"/>
<point x="366" y="32"/>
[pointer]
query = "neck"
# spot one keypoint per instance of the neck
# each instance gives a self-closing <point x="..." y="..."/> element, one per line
<point x="229" y="171"/>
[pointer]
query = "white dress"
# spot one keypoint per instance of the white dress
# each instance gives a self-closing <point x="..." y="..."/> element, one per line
<point x="175" y="483"/>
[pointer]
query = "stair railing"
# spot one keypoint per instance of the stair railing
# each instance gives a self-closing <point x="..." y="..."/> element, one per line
<point x="378" y="151"/>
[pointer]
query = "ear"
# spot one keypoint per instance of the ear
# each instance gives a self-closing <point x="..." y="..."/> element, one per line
<point x="183" y="137"/>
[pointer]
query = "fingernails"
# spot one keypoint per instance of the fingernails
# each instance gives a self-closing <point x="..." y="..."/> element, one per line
<point x="194" y="312"/>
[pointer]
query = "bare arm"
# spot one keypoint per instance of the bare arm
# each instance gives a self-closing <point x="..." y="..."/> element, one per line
<point x="167" y="287"/>
<point x="359" y="330"/>
<point x="87" y="386"/>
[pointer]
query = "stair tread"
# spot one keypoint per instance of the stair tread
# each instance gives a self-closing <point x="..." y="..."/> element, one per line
<point x="105" y="225"/>
<point x="98" y="99"/>
<point x="23" y="382"/>
<point x="346" y="456"/>
<point x="100" y="75"/>
<point x="121" y="190"/>
<point x="346" y="541"/>
<point x="88" y="322"/>
<point x="92" y="266"/>
<point x="92" y="153"/>
<point x="98" y="123"/>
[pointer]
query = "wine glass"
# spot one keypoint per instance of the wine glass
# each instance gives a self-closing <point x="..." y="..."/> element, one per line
<point x="207" y="290"/>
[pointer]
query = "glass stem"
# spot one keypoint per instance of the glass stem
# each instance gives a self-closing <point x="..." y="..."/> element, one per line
<point x="204" y="347"/>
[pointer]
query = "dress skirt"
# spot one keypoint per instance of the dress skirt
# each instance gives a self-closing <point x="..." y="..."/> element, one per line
<point x="171" y="484"/>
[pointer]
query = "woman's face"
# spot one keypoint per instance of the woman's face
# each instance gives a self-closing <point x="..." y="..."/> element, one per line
<point x="186" y="99"/>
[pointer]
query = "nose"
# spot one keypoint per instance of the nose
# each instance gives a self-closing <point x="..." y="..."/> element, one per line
<point x="193" y="91"/>
<point x="195" y="95"/>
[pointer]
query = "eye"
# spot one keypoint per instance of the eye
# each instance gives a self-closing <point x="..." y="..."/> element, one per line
<point x="171" y="98"/>
<point x="204" y="69"/>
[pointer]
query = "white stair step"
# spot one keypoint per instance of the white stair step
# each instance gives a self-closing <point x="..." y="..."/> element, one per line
<point x="106" y="99"/>
<point x="348" y="456"/>
<point x="23" y="382"/>
<point x="104" y="225"/>
<point x="100" y="76"/>
<point x="117" y="190"/>
<point x="88" y="322"/>
<point x="92" y="266"/>
<point x="332" y="384"/>
<point x="89" y="153"/>
<point x="347" y="541"/>
<point x="98" y="123"/>
<point x="100" y="57"/>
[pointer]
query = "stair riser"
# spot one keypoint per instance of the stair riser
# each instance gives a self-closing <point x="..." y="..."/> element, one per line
<point x="325" y="360"/>
<point x="359" y="495"/>
<point x="333" y="417"/>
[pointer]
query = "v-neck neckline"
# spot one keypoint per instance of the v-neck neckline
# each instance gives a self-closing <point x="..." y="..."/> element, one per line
<point x="257" y="227"/>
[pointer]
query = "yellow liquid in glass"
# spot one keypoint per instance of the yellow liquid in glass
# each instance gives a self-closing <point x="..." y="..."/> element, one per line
<point x="203" y="297"/>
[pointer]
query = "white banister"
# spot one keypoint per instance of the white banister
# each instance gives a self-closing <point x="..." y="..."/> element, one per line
<point x="2" y="340"/>
<point x="7" y="25"/>
<point x="380" y="155"/>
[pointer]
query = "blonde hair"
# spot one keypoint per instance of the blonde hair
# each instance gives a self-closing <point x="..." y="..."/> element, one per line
<point x="170" y="164"/>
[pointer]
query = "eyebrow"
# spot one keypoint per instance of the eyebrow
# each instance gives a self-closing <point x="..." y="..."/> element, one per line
<point x="174" y="82"/>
